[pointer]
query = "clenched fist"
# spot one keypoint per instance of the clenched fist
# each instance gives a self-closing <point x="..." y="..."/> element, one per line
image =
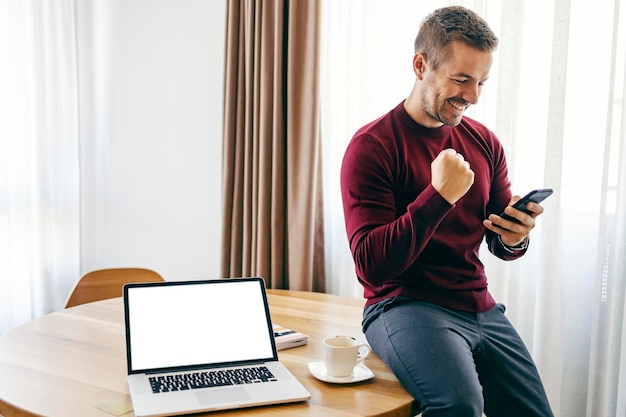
<point x="451" y="175"/>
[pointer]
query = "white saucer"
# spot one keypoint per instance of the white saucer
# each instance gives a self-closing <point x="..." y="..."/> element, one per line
<point x="360" y="373"/>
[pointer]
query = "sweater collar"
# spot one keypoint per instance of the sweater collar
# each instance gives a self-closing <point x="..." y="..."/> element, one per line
<point x="418" y="129"/>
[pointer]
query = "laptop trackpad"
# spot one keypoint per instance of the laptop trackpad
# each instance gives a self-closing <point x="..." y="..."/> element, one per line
<point x="221" y="396"/>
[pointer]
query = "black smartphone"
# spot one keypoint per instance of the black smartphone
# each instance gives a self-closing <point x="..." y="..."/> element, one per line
<point x="536" y="196"/>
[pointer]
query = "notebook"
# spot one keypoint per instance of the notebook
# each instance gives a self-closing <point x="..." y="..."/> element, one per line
<point x="287" y="338"/>
<point x="185" y="340"/>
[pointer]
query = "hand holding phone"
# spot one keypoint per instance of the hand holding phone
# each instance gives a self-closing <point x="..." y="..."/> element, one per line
<point x="535" y="196"/>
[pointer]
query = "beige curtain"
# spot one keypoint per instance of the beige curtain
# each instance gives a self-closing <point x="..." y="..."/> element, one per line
<point x="272" y="168"/>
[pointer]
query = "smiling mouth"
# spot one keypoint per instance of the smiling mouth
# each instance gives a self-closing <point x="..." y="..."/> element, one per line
<point x="458" y="106"/>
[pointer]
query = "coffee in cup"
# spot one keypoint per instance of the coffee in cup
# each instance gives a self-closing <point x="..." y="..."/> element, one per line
<point x="342" y="354"/>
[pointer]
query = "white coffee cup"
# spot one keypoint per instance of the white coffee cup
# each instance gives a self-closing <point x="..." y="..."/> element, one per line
<point x="342" y="354"/>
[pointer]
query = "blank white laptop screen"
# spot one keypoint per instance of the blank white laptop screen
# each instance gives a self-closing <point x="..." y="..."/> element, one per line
<point x="191" y="325"/>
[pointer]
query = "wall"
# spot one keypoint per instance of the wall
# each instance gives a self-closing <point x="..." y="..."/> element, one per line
<point x="151" y="85"/>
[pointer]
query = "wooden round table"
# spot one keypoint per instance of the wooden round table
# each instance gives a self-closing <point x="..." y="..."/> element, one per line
<point x="71" y="362"/>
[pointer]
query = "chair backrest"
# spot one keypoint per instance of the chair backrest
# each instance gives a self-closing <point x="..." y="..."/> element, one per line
<point x="107" y="283"/>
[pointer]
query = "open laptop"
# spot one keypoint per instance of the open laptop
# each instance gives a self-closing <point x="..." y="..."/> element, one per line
<point x="187" y="342"/>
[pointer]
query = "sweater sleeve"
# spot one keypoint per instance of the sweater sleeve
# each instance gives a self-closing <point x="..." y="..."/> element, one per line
<point x="500" y="197"/>
<point x="386" y="237"/>
<point x="502" y="251"/>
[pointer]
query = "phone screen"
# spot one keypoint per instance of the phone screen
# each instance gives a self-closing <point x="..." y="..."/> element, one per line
<point x="536" y="196"/>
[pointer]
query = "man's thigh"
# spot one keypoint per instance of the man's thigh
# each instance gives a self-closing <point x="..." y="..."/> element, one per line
<point x="511" y="383"/>
<point x="430" y="351"/>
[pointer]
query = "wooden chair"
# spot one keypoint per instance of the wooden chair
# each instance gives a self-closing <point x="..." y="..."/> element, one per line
<point x="107" y="283"/>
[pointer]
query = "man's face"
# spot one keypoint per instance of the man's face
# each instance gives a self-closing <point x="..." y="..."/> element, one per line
<point x="455" y="85"/>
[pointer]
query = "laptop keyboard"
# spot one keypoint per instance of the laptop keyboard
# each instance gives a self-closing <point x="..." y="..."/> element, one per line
<point x="205" y="379"/>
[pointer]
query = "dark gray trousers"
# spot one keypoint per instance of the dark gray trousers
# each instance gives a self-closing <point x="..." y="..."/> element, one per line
<point x="456" y="363"/>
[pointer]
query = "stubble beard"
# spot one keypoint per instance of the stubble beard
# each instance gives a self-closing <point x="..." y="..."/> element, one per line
<point x="435" y="107"/>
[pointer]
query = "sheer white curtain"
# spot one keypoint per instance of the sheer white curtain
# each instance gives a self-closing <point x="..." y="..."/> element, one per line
<point x="39" y="202"/>
<point x="556" y="100"/>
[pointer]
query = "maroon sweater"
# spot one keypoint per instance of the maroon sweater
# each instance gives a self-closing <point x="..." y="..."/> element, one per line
<point x="405" y="238"/>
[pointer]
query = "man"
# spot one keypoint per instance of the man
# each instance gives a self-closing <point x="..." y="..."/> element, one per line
<point x="420" y="187"/>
